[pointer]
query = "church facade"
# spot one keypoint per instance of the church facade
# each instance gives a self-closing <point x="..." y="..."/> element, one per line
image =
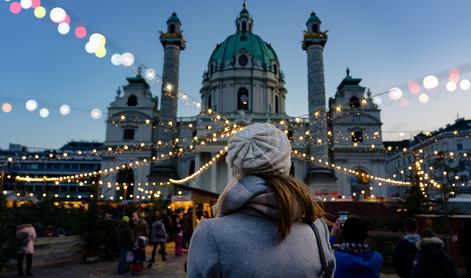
<point x="244" y="84"/>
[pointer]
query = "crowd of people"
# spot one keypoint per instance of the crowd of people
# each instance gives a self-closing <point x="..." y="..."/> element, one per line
<point x="268" y="225"/>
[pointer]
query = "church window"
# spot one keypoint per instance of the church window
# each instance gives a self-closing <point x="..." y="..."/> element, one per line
<point x="357" y="136"/>
<point x="315" y="28"/>
<point x="209" y="102"/>
<point x="243" y="99"/>
<point x="275" y="69"/>
<point x="128" y="134"/>
<point x="277" y="105"/>
<point x="244" y="27"/>
<point x="354" y="102"/>
<point x="171" y="28"/>
<point x="132" y="100"/>
<point x="191" y="170"/>
<point x="243" y="60"/>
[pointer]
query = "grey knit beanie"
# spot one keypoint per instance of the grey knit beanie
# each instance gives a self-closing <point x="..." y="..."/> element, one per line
<point x="259" y="149"/>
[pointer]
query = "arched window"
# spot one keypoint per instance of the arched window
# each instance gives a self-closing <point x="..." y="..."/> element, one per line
<point x="125" y="176"/>
<point x="243" y="99"/>
<point x="357" y="136"/>
<point x="191" y="170"/>
<point x="277" y="105"/>
<point x="171" y="28"/>
<point x="244" y="27"/>
<point x="275" y="69"/>
<point x="355" y="102"/>
<point x="315" y="28"/>
<point x="209" y="102"/>
<point x="132" y="100"/>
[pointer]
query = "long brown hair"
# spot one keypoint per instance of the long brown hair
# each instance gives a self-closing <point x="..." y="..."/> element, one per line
<point x="294" y="200"/>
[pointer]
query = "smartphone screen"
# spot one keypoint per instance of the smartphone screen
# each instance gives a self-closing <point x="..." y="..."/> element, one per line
<point x="343" y="216"/>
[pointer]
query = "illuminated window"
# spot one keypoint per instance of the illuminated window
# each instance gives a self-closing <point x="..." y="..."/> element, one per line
<point x="243" y="99"/>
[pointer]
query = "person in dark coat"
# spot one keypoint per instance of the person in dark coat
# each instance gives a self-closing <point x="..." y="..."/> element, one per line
<point x="355" y="258"/>
<point x="187" y="228"/>
<point x="432" y="259"/>
<point x="125" y="240"/>
<point x="405" y="250"/>
<point x="465" y="245"/>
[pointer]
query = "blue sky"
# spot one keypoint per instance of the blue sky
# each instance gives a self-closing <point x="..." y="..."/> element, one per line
<point x="387" y="43"/>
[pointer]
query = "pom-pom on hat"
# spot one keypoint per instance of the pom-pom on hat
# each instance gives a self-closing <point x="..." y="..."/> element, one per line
<point x="259" y="149"/>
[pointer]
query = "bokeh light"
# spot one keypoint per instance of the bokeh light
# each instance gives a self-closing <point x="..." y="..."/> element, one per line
<point x="57" y="15"/>
<point x="63" y="28"/>
<point x="26" y="4"/>
<point x="89" y="48"/>
<point x="430" y="82"/>
<point x="454" y="75"/>
<point x="423" y="98"/>
<point x="44" y="112"/>
<point x="15" y="7"/>
<point x="404" y="102"/>
<point x="80" y="32"/>
<point x="116" y="59"/>
<point x="64" y="110"/>
<point x="67" y="19"/>
<point x="40" y="12"/>
<point x="465" y="84"/>
<point x="96" y="114"/>
<point x="395" y="93"/>
<point x="6" y="107"/>
<point x="31" y="105"/>
<point x="101" y="52"/>
<point x="451" y="86"/>
<point x="127" y="59"/>
<point x="35" y="3"/>
<point x="414" y="88"/>
<point x="150" y="74"/>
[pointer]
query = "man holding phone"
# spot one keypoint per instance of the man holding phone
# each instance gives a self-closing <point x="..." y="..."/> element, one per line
<point x="354" y="257"/>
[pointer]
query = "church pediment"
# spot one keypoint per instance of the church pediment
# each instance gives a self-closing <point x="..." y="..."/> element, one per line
<point x="355" y="119"/>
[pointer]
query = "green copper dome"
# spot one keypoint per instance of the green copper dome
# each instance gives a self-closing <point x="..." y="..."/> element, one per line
<point x="225" y="53"/>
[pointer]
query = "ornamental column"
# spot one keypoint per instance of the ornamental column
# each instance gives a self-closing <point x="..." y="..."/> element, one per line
<point x="319" y="178"/>
<point x="173" y="42"/>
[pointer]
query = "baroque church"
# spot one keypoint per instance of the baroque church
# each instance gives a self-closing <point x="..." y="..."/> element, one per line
<point x="244" y="83"/>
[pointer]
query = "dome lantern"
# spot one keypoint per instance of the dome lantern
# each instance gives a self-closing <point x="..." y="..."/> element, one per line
<point x="244" y="22"/>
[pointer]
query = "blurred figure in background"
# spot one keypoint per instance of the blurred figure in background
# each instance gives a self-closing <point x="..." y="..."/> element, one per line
<point x="432" y="259"/>
<point x="405" y="250"/>
<point x="125" y="241"/>
<point x="25" y="236"/>
<point x="179" y="235"/>
<point x="158" y="237"/>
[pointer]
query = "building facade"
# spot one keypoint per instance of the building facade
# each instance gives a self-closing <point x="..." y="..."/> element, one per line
<point x="244" y="83"/>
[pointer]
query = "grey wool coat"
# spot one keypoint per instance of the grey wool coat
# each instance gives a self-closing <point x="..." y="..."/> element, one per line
<point x="244" y="245"/>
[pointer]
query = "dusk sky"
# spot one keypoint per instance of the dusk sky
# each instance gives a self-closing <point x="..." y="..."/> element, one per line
<point x="386" y="43"/>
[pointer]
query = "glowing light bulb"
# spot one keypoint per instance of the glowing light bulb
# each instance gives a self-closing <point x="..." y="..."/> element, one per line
<point x="150" y="74"/>
<point x="465" y="84"/>
<point x="39" y="12"/>
<point x="116" y="59"/>
<point x="63" y="28"/>
<point x="31" y="105"/>
<point x="423" y="98"/>
<point x="26" y="4"/>
<point x="35" y="3"/>
<point x="127" y="59"/>
<point x="96" y="114"/>
<point x="64" y="110"/>
<point x="395" y="93"/>
<point x="80" y="32"/>
<point x="451" y="86"/>
<point x="414" y="88"/>
<point x="101" y="52"/>
<point x="430" y="82"/>
<point x="6" y="107"/>
<point x="57" y="15"/>
<point x="377" y="100"/>
<point x="15" y="8"/>
<point x="44" y="113"/>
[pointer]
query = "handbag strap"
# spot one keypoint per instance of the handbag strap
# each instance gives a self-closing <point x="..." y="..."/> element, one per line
<point x="325" y="268"/>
